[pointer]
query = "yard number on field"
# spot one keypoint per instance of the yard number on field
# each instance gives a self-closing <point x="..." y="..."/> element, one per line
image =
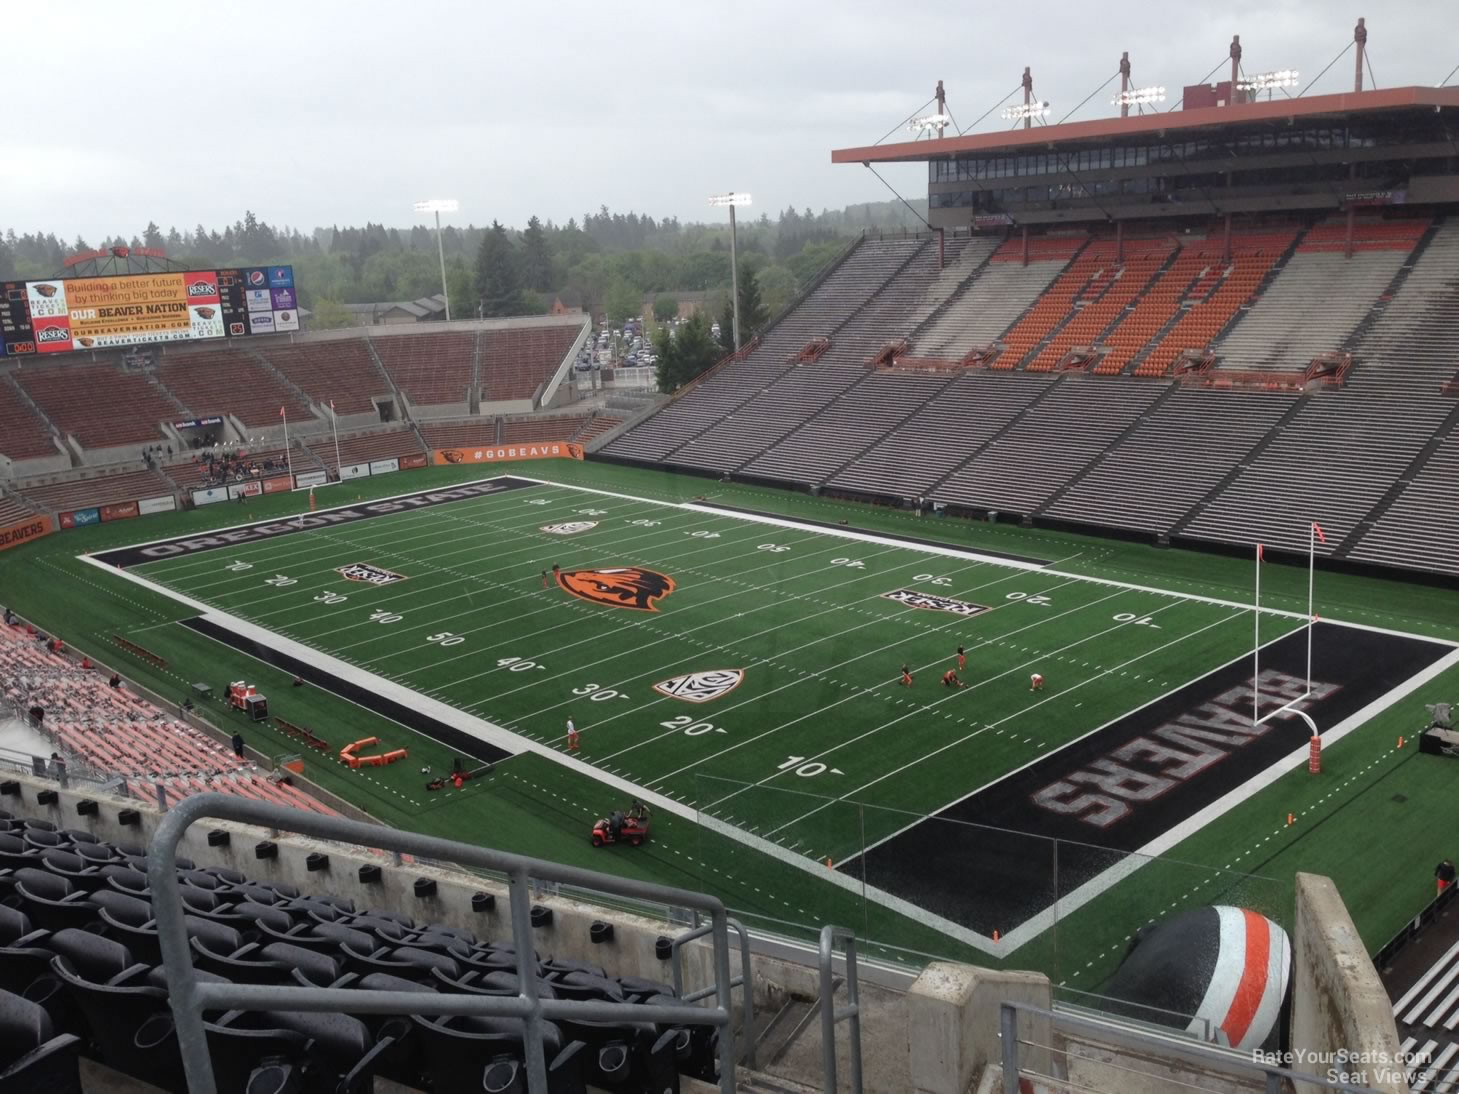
<point x="774" y="548"/>
<point x="1031" y="598"/>
<point x="597" y="694"/>
<point x="690" y="727"/>
<point x="592" y="512"/>
<point x="239" y="567"/>
<point x="932" y="579"/>
<point x="281" y="580"/>
<point x="701" y="534"/>
<point x="380" y="615"/>
<point x="808" y="770"/>
<point x="446" y="638"/>
<point x="849" y="563"/>
<point x="646" y="523"/>
<point x="1138" y="620"/>
<point x="517" y="664"/>
<point x="331" y="598"/>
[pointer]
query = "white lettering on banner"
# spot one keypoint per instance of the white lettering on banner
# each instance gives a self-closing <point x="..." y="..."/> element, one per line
<point x="311" y="478"/>
<point x="354" y="470"/>
<point x="157" y="505"/>
<point x="1108" y="789"/>
<point x="381" y="467"/>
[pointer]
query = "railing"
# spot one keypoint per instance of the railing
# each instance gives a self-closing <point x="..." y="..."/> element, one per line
<point x="190" y="997"/>
<point x="832" y="1014"/>
<point x="744" y="981"/>
<point x="1247" y="379"/>
<point x="1237" y="1067"/>
<point x="1449" y="387"/>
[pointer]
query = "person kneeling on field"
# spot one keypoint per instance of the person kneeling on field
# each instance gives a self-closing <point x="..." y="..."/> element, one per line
<point x="906" y="677"/>
<point x="1035" y="682"/>
<point x="950" y="680"/>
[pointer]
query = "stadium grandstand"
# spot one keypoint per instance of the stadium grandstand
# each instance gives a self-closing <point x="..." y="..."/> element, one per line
<point x="578" y="760"/>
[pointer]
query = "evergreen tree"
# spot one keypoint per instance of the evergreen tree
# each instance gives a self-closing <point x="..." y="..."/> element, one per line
<point x="690" y="351"/>
<point x="498" y="281"/>
<point x="536" y="262"/>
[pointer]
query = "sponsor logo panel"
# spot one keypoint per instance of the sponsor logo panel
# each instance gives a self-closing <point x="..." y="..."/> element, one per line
<point x="120" y="511"/>
<point x="369" y="573"/>
<point x="701" y="687"/>
<point x="932" y="602"/>
<point x="619" y="586"/>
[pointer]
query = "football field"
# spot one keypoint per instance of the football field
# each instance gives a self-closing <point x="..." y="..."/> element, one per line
<point x="744" y="671"/>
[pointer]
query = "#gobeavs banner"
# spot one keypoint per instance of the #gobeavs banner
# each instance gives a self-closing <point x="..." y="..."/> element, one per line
<point x="499" y="453"/>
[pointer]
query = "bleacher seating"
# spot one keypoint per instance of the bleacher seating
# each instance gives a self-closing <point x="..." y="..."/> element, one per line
<point x="1084" y="278"/>
<point x="101" y="490"/>
<point x="382" y="445"/>
<point x="540" y="427"/>
<point x="341" y="370"/>
<point x="596" y="426"/>
<point x="430" y="368"/>
<point x="515" y="361"/>
<point x="459" y="434"/>
<point x="14" y="509"/>
<point x="24" y="435"/>
<point x="988" y="305"/>
<point x="210" y="382"/>
<point x="79" y="938"/>
<point x="1368" y="235"/>
<point x="1418" y="527"/>
<point x="100" y="405"/>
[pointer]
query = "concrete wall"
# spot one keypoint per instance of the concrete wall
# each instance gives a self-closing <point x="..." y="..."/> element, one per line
<point x="1338" y="1003"/>
<point x="953" y="1024"/>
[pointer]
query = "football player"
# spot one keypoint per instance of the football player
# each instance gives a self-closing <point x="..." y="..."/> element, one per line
<point x="906" y="677"/>
<point x="1036" y="682"/>
<point x="962" y="660"/>
<point x="950" y="680"/>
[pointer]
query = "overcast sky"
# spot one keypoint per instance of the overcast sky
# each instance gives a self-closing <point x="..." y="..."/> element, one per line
<point x="315" y="112"/>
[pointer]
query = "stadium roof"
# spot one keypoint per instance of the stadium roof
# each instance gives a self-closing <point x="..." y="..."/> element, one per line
<point x="1346" y="104"/>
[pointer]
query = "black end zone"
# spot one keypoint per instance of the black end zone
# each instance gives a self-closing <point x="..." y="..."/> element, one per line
<point x="449" y="736"/>
<point x="991" y="860"/>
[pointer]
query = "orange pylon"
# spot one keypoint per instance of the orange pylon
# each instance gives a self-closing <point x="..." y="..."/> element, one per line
<point x="1400" y="742"/>
<point x="1291" y="820"/>
<point x="996" y="935"/>
<point x="829" y="865"/>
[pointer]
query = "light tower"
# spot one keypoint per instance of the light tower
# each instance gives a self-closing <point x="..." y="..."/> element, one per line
<point x="732" y="201"/>
<point x="439" y="206"/>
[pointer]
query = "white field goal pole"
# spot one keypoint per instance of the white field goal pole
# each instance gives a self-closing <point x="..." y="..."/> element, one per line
<point x="1256" y="716"/>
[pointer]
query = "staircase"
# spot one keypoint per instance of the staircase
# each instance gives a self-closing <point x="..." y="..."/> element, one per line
<point x="473" y="403"/>
<point x="177" y="404"/>
<point x="1359" y="530"/>
<point x="1376" y="311"/>
<point x="389" y="380"/>
<point x="1245" y="462"/>
<point x="268" y="367"/>
<point x="935" y="308"/>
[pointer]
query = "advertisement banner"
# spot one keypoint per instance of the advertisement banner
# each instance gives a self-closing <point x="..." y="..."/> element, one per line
<point x="354" y="470"/>
<point x="251" y="489"/>
<point x="208" y="495"/>
<point x="198" y="423"/>
<point x="260" y="322"/>
<point x="165" y="504"/>
<point x="286" y="320"/>
<point x="282" y="300"/>
<point x="384" y="467"/>
<point x="311" y="478"/>
<point x="281" y="277"/>
<point x="80" y="518"/>
<point x="127" y="310"/>
<point x="15" y="534"/>
<point x="496" y="453"/>
<point x="410" y="463"/>
<point x="258" y="300"/>
<point x="276" y="485"/>
<point x="255" y="279"/>
<point x="120" y="511"/>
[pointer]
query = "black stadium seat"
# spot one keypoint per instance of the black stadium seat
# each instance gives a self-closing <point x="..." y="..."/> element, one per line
<point x="52" y="902"/>
<point x="33" y="1058"/>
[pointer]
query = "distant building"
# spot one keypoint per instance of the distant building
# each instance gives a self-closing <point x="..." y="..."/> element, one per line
<point x="426" y="309"/>
<point x="566" y="303"/>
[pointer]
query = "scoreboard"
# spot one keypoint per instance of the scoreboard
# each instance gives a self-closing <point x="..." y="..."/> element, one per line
<point x="62" y="315"/>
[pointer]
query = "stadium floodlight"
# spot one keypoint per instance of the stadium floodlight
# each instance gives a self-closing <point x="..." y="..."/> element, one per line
<point x="439" y="206"/>
<point x="929" y="123"/>
<point x="1025" y="112"/>
<point x="1138" y="96"/>
<point x="732" y="201"/>
<point x="1268" y="81"/>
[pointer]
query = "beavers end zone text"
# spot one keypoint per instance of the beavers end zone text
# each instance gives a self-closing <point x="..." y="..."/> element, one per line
<point x="308" y="522"/>
<point x="24" y="532"/>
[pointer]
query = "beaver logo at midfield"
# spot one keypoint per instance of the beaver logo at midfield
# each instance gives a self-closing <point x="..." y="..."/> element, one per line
<point x="620" y="586"/>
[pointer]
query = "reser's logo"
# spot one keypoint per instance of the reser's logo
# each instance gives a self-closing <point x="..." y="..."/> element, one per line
<point x="201" y="288"/>
<point x="618" y="586"/>
<point x="47" y="335"/>
<point x="371" y="575"/>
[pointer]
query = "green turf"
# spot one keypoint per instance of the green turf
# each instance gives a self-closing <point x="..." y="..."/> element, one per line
<point x="820" y="648"/>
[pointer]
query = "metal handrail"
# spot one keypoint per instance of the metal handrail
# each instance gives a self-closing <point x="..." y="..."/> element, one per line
<point x="189" y="998"/>
<point x="745" y="981"/>
<point x="832" y="1014"/>
<point x="1246" y="1066"/>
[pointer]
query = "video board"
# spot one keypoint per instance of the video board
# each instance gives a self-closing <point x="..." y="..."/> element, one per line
<point x="64" y="315"/>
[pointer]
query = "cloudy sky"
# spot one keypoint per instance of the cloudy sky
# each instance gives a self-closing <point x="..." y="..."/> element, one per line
<point x="316" y="111"/>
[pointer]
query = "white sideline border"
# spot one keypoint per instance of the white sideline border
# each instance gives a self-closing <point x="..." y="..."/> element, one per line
<point x="515" y="743"/>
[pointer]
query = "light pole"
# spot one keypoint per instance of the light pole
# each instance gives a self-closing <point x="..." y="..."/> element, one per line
<point x="733" y="200"/>
<point x="439" y="206"/>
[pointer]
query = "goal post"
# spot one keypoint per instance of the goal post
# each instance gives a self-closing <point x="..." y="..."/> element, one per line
<point x="1314" y="534"/>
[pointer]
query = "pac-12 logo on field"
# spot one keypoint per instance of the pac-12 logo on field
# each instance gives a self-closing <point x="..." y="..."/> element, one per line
<point x="913" y="599"/>
<point x="620" y="586"/>
<point x="701" y="687"/>
<point x="372" y="575"/>
<point x="569" y="528"/>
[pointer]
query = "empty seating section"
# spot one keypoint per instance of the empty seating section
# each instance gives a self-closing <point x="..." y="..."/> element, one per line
<point x="1045" y="447"/>
<point x="836" y="299"/>
<point x="1413" y="345"/>
<point x="459" y="434"/>
<point x="1218" y="293"/>
<point x="1056" y="248"/>
<point x="845" y="427"/>
<point x="103" y="490"/>
<point x="1368" y="235"/>
<point x="385" y="445"/>
<point x="1172" y="459"/>
<point x="597" y="425"/>
<point x="429" y="368"/>
<point x="341" y="371"/>
<point x="1311" y="307"/>
<point x="229" y="382"/>
<point x="962" y="257"/>
<point x="887" y="316"/>
<point x="959" y="419"/>
<point x="24" y="435"/>
<point x="515" y="361"/>
<point x="1418" y="529"/>
<point x="100" y="405"/>
<point x="986" y="307"/>
<point x="1083" y="279"/>
<point x="551" y="427"/>
<point x="1142" y="261"/>
<point x="1331" y="463"/>
<point x="14" y="509"/>
<point x="113" y="732"/>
